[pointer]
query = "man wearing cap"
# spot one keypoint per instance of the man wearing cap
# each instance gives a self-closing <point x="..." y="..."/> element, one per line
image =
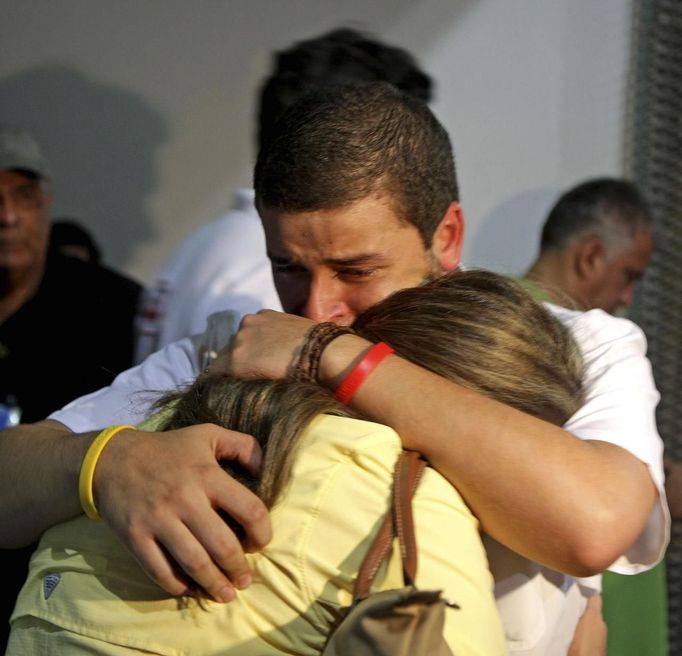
<point x="66" y="326"/>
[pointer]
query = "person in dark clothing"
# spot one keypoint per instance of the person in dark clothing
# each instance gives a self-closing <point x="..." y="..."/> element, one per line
<point x="76" y="330"/>
<point x="69" y="237"/>
<point x="66" y="325"/>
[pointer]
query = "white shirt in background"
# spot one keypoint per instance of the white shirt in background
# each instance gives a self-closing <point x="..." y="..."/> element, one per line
<point x="221" y="266"/>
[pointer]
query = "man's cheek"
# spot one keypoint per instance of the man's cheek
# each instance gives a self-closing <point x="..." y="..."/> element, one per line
<point x="370" y="296"/>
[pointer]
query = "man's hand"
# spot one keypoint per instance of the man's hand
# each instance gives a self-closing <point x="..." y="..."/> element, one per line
<point x="161" y="493"/>
<point x="265" y="346"/>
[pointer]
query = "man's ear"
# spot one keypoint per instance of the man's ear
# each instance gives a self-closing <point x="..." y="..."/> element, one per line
<point x="589" y="260"/>
<point x="448" y="238"/>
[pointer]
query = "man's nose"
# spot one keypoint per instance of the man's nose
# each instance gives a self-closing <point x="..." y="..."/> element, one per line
<point x="326" y="302"/>
<point x="8" y="211"/>
<point x="626" y="295"/>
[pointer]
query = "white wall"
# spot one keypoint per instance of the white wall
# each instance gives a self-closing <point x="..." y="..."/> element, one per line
<point x="144" y="107"/>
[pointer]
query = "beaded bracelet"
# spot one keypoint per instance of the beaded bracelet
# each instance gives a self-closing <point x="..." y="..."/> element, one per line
<point x="87" y="472"/>
<point x="307" y="366"/>
<point x="346" y="390"/>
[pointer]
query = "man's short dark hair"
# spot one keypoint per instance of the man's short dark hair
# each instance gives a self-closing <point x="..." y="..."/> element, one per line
<point x="596" y="207"/>
<point x="339" y="145"/>
<point x="342" y="56"/>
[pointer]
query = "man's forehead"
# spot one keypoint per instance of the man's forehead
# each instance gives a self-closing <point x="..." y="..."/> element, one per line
<point x="19" y="177"/>
<point x="635" y="256"/>
<point x="643" y="242"/>
<point x="379" y="197"/>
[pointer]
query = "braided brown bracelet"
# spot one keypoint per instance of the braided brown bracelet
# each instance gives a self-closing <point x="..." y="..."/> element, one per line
<point x="319" y="336"/>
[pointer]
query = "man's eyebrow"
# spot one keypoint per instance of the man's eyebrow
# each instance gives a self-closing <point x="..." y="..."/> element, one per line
<point x="356" y="260"/>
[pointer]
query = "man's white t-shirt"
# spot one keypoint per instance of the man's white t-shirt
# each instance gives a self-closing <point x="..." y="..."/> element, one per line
<point x="539" y="607"/>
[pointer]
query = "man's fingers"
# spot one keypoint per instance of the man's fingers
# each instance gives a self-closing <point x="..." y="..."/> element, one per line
<point x="231" y="445"/>
<point x="198" y="547"/>
<point x="205" y="547"/>
<point x="247" y="510"/>
<point x="168" y="510"/>
<point x="190" y="553"/>
<point x="155" y="561"/>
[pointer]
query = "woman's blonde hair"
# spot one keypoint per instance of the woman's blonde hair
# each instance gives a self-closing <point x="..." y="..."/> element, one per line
<point x="484" y="332"/>
<point x="478" y="329"/>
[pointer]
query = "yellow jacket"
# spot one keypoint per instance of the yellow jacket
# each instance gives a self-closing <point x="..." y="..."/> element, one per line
<point x="85" y="593"/>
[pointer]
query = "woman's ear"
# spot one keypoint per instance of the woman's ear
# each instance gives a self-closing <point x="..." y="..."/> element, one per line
<point x="448" y="238"/>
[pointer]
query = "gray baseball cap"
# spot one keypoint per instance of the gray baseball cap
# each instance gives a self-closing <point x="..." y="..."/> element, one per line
<point x="19" y="150"/>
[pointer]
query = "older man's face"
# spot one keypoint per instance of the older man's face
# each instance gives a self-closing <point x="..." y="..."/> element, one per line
<point x="24" y="225"/>
<point x="614" y="288"/>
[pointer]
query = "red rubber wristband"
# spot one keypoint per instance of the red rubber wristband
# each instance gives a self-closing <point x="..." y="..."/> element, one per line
<point x="346" y="390"/>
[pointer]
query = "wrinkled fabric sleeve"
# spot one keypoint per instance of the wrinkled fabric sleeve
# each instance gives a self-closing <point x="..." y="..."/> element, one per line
<point x="129" y="398"/>
<point x="619" y="408"/>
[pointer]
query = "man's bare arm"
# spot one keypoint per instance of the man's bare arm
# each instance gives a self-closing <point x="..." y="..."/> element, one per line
<point x="159" y="491"/>
<point x="570" y="504"/>
<point x="39" y="479"/>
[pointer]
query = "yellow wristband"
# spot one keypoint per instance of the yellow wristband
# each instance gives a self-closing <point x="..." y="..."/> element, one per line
<point x="87" y="473"/>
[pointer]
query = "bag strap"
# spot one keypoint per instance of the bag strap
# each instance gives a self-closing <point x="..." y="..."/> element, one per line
<point x="397" y="522"/>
